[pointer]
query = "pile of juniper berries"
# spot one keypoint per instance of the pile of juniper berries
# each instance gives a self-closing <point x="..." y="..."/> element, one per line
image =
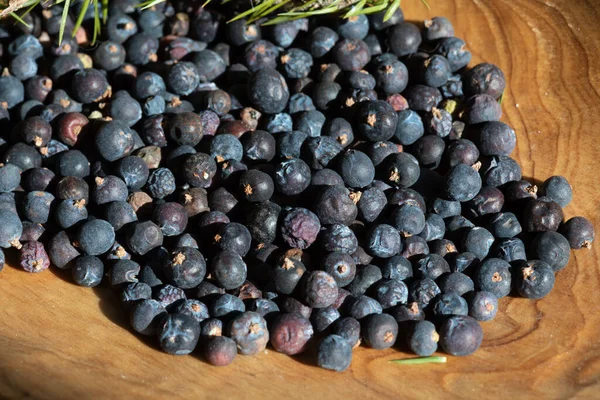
<point x="313" y="185"/>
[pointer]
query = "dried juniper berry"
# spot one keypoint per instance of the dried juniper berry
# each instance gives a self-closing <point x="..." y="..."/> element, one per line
<point x="534" y="279"/>
<point x="380" y="331"/>
<point x="161" y="183"/>
<point x="259" y="146"/>
<point x="371" y="204"/>
<point x="10" y="177"/>
<point x="171" y="217"/>
<point x="228" y="269"/>
<point x="460" y="335"/>
<point x="579" y="232"/>
<point x="220" y="351"/>
<point x="334" y="353"/>
<point x="455" y="51"/>
<point x="146" y="315"/>
<point x="383" y="241"/>
<point x="178" y="334"/>
<point x="558" y="189"/>
<point x="36" y="206"/>
<point x="462" y="183"/>
<point x="364" y="279"/>
<point x="89" y="86"/>
<point x="356" y="169"/>
<point x="319" y="289"/>
<point x="390" y="293"/>
<point x="290" y="333"/>
<point x="493" y="275"/>
<point x="69" y="212"/>
<point x="351" y="54"/>
<point x="60" y="249"/>
<point x="143" y="237"/>
<point x="322" y="41"/>
<point x="407" y="312"/>
<point x="234" y="237"/>
<point x="391" y="76"/>
<point x="429" y="150"/>
<point x="449" y="304"/>
<point x="33" y="257"/>
<point x="340" y="266"/>
<point x="455" y="282"/>
<point x="185" y="267"/>
<point x="478" y="242"/>
<point x="194" y="308"/>
<point x="108" y="189"/>
<point x="114" y="140"/>
<point x="123" y="271"/>
<point x="32" y="231"/>
<point x="226" y="305"/>
<point x="509" y="250"/>
<point x="323" y="318"/>
<point x="133" y="171"/>
<point x="318" y="152"/>
<point x="268" y="91"/>
<point x="265" y="307"/>
<point x="23" y="156"/>
<point x="486" y="79"/>
<point x="481" y="108"/>
<point x="397" y="267"/>
<point x="199" y="170"/>
<point x="519" y="192"/>
<point x="326" y="177"/>
<point x="226" y="147"/>
<point x="262" y="221"/>
<point x="542" y="215"/>
<point x="552" y="248"/>
<point x="422" y="338"/>
<point x="489" y="200"/>
<point x="408" y="220"/>
<point x="249" y="331"/>
<point x="495" y="138"/>
<point x="401" y="169"/>
<point x="338" y="237"/>
<point x="422" y="291"/>
<point x="349" y="329"/>
<point x="483" y="306"/>
<point x="256" y="186"/>
<point x="109" y="55"/>
<point x="461" y="151"/>
<point x="286" y="274"/>
<point x="404" y="39"/>
<point x="377" y="121"/>
<point x="414" y="247"/>
<point x="434" y="229"/>
<point x="134" y="292"/>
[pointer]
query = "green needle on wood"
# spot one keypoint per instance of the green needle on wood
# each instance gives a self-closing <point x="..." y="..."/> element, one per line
<point x="421" y="360"/>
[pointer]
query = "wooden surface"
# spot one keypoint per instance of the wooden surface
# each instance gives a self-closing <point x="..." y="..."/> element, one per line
<point x="59" y="341"/>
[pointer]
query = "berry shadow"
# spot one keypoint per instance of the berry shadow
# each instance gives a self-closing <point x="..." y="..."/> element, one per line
<point x="111" y="308"/>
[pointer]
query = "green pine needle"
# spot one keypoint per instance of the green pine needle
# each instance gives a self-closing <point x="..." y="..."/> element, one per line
<point x="19" y="19"/>
<point x="97" y="25"/>
<point x="391" y="10"/>
<point x="63" y="20"/>
<point x="80" y="17"/>
<point x="420" y="360"/>
<point x="268" y="9"/>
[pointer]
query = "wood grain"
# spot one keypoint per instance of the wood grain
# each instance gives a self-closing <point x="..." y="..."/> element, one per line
<point x="59" y="341"/>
